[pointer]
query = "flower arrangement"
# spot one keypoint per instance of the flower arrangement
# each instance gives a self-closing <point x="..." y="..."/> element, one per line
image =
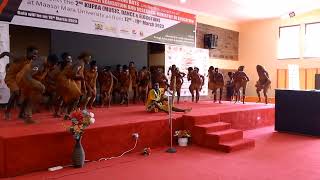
<point x="182" y="134"/>
<point x="79" y="121"/>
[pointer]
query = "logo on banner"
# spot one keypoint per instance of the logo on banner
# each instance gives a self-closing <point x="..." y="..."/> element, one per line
<point x="98" y="26"/>
<point x="110" y="28"/>
<point x="124" y="31"/>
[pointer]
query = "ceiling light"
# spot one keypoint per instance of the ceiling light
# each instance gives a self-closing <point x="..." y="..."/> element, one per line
<point x="183" y="1"/>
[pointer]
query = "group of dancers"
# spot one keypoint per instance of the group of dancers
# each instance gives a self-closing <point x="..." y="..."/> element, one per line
<point x="70" y="83"/>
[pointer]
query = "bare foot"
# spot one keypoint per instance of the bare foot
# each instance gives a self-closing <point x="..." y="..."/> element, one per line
<point x="30" y="121"/>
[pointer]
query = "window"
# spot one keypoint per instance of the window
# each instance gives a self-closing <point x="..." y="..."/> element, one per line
<point x="288" y="45"/>
<point x="312" y="40"/>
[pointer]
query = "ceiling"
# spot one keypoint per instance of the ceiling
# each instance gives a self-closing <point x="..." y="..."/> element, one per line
<point x="241" y="10"/>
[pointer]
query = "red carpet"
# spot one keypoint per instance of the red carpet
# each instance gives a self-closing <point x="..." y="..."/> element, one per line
<point x="28" y="148"/>
<point x="277" y="156"/>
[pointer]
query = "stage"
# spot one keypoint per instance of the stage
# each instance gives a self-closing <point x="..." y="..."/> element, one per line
<point x="27" y="148"/>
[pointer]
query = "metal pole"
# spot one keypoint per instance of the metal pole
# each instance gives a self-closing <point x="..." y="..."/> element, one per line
<point x="171" y="149"/>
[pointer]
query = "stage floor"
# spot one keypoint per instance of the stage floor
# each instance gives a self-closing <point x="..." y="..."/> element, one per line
<point x="28" y="148"/>
<point x="120" y="115"/>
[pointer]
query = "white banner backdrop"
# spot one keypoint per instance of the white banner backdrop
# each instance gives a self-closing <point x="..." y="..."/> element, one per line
<point x="128" y="19"/>
<point x="4" y="46"/>
<point x="184" y="57"/>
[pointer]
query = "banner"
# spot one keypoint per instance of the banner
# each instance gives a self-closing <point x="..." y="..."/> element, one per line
<point x="184" y="57"/>
<point x="128" y="19"/>
<point x="4" y="46"/>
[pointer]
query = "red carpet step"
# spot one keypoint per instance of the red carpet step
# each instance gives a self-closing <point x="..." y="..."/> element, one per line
<point x="211" y="132"/>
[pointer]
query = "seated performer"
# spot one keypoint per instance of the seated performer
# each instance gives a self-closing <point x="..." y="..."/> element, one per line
<point x="157" y="101"/>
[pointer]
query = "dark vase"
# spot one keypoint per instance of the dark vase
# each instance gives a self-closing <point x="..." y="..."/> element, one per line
<point x="78" y="155"/>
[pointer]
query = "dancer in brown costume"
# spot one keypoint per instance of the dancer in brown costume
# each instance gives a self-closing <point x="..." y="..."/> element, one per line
<point x="177" y="78"/>
<point x="116" y="86"/>
<point x="230" y="87"/>
<point x="29" y="81"/>
<point x="50" y="80"/>
<point x="197" y="82"/>
<point x="106" y="81"/>
<point x="124" y="80"/>
<point x="144" y="83"/>
<point x="263" y="83"/>
<point x="159" y="77"/>
<point x="16" y="65"/>
<point x="240" y="80"/>
<point x="134" y="76"/>
<point x="72" y="85"/>
<point x="64" y="84"/>
<point x="218" y="84"/>
<point x="78" y="71"/>
<point x="90" y="76"/>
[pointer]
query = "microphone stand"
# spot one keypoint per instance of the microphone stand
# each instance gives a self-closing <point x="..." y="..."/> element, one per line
<point x="170" y="104"/>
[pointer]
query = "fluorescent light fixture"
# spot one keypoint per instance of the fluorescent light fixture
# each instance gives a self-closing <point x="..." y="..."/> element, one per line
<point x="183" y="1"/>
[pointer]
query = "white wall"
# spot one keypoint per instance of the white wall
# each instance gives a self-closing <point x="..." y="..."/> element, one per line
<point x="258" y="45"/>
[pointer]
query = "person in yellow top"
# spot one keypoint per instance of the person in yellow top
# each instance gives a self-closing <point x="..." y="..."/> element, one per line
<point x="157" y="101"/>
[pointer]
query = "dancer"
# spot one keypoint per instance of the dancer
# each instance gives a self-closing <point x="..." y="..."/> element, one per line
<point x="106" y="80"/>
<point x="218" y="85"/>
<point x="15" y="65"/>
<point x="64" y="84"/>
<point x="240" y="80"/>
<point x="32" y="89"/>
<point x="197" y="81"/>
<point x="50" y="80"/>
<point x="157" y="101"/>
<point x="144" y="81"/>
<point x="90" y="76"/>
<point x="116" y="86"/>
<point x="176" y="80"/>
<point x="263" y="83"/>
<point x="78" y="71"/>
<point x="134" y="75"/>
<point x="230" y="87"/>
<point x="159" y="77"/>
<point x="124" y="80"/>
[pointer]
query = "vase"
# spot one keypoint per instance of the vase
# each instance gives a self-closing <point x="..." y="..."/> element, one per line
<point x="183" y="142"/>
<point x="78" y="155"/>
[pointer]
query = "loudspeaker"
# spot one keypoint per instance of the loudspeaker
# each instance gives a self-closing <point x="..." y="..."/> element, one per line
<point x="210" y="41"/>
<point x="317" y="81"/>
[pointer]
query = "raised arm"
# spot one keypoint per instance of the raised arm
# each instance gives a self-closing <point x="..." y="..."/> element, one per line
<point x="9" y="54"/>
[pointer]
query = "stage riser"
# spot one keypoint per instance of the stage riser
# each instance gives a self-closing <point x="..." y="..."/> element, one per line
<point x="25" y="149"/>
<point x="33" y="153"/>
<point x="251" y="119"/>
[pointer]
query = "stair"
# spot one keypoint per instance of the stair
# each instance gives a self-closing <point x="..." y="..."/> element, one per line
<point x="218" y="135"/>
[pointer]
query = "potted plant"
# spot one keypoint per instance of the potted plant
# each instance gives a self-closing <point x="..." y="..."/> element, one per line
<point x="79" y="121"/>
<point x="183" y="136"/>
